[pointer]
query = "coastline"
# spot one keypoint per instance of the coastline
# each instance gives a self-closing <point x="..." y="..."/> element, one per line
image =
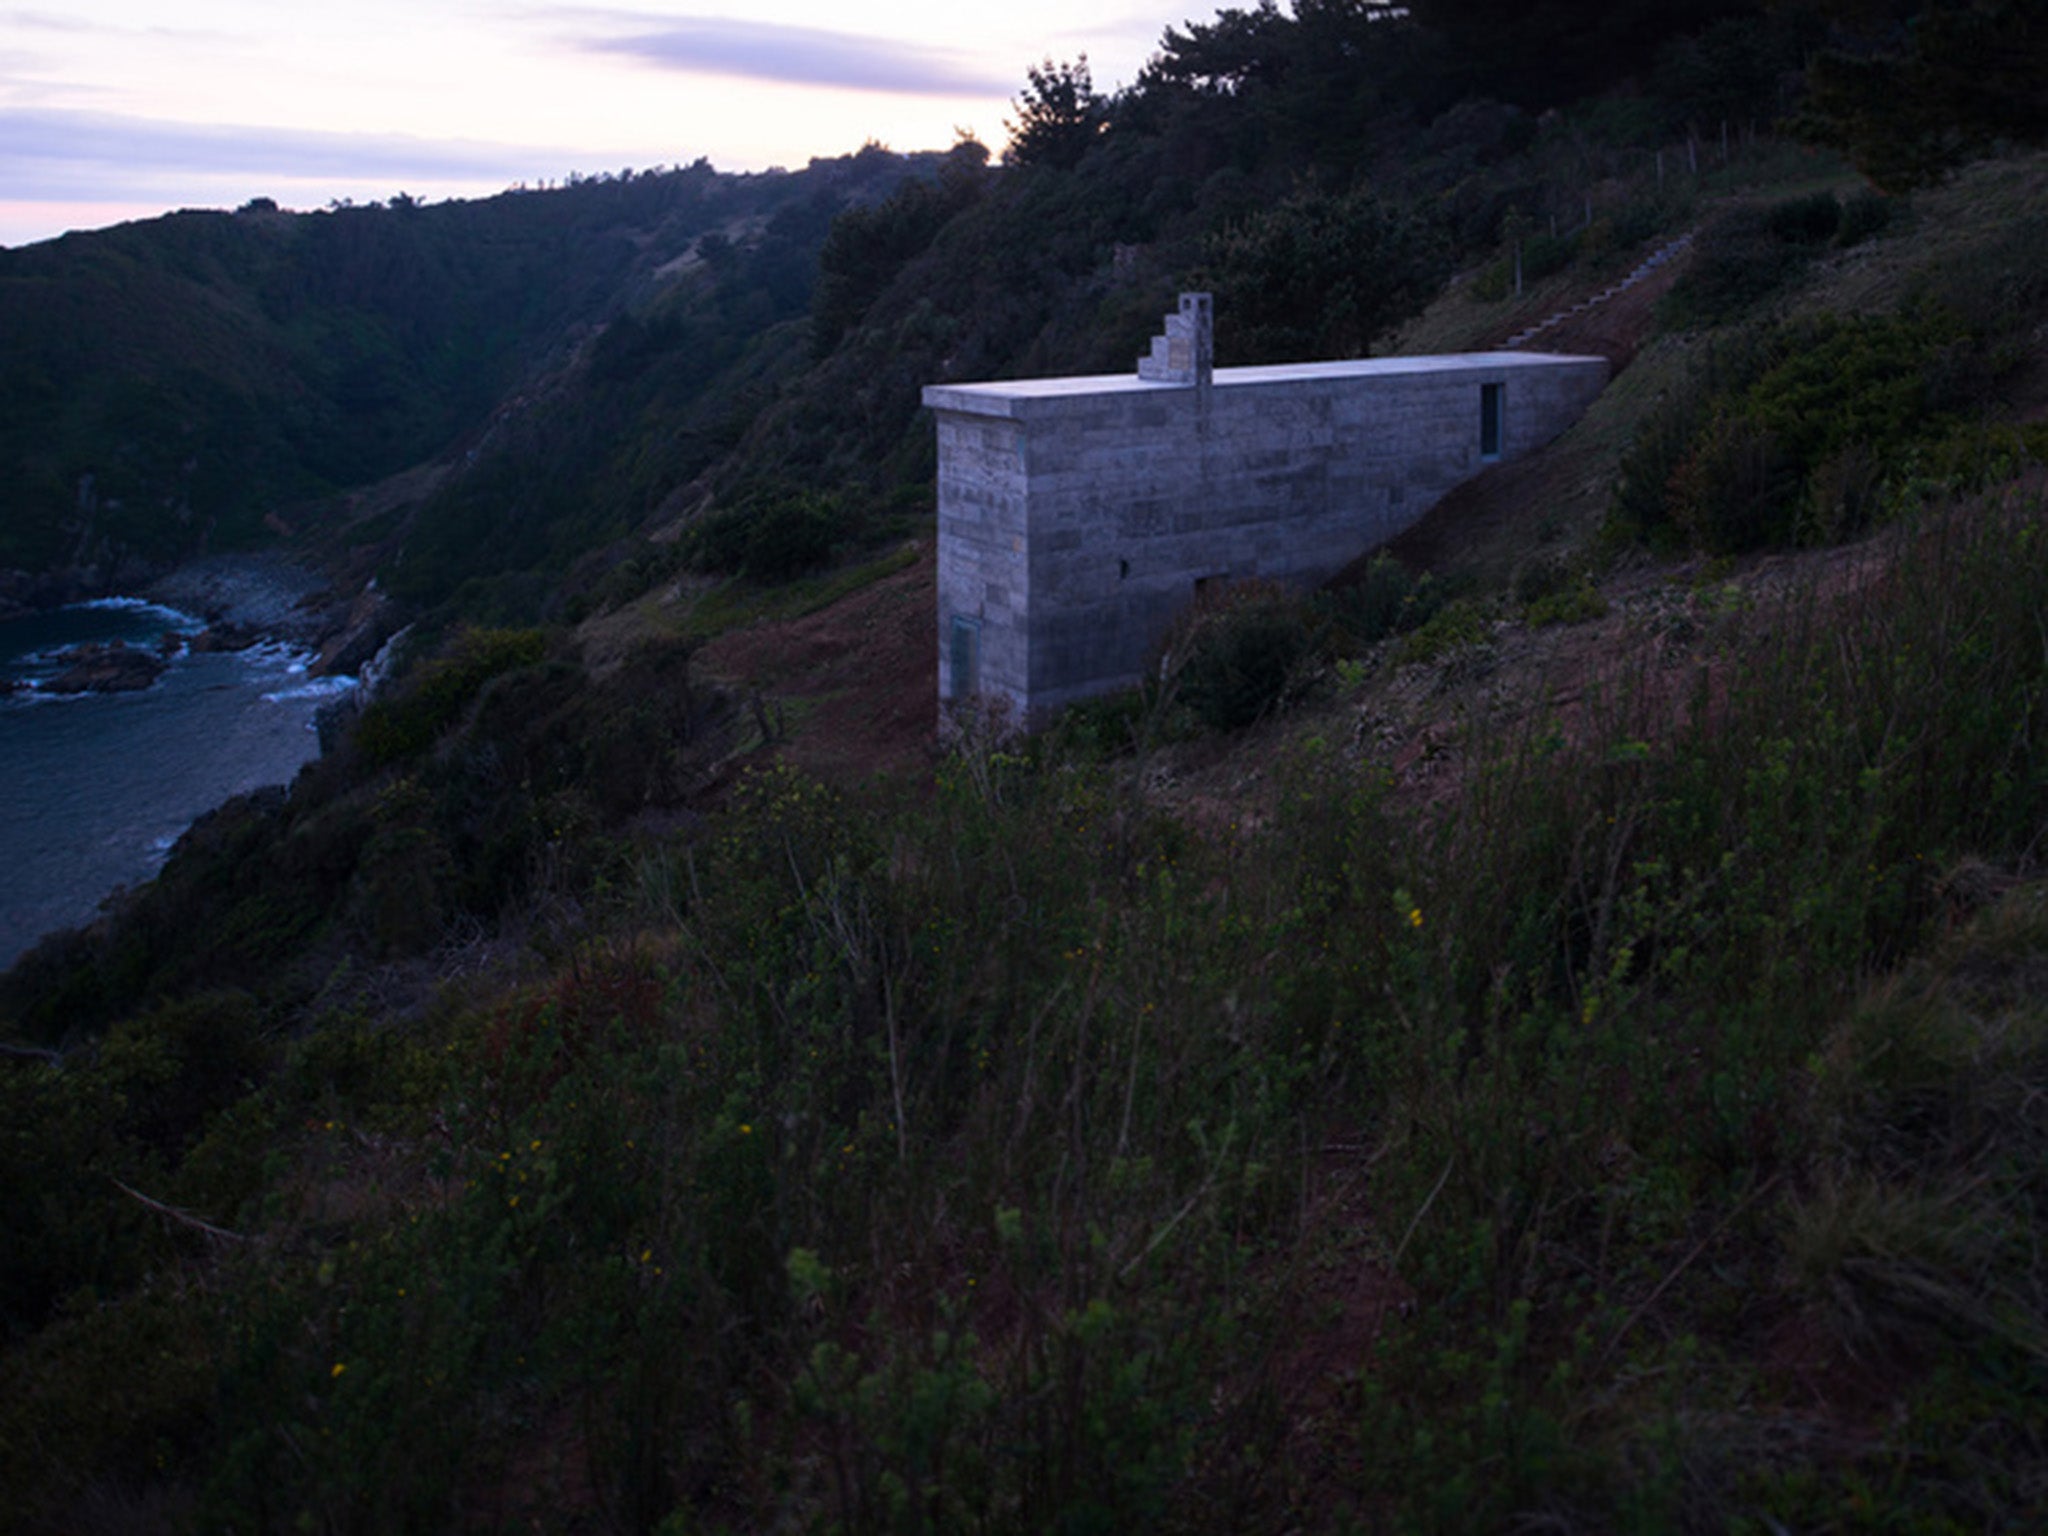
<point x="256" y="594"/>
<point x="266" y="594"/>
<point x="107" y="785"/>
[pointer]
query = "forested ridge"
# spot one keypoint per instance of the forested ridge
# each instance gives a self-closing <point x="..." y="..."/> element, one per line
<point x="1544" y="1034"/>
<point x="170" y="383"/>
<point x="587" y="363"/>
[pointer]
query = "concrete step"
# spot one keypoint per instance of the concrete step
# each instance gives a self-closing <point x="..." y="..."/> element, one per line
<point x="1649" y="264"/>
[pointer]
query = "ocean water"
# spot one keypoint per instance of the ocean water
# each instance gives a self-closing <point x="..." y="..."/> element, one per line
<point x="95" y="788"/>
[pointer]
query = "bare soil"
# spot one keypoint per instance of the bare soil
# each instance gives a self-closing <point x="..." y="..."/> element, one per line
<point x="1494" y="507"/>
<point x="855" y="685"/>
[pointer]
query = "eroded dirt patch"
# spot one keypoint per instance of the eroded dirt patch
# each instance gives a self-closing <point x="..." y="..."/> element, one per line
<point x="855" y="685"/>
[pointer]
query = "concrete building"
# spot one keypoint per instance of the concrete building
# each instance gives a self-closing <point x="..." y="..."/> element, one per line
<point x="1078" y="516"/>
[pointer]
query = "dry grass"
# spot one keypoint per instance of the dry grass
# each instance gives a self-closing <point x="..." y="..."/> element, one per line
<point x="1933" y="1096"/>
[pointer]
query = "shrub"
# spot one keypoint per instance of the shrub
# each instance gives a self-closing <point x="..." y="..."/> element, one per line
<point x="771" y="534"/>
<point x="1104" y="726"/>
<point x="1811" y="220"/>
<point x="1321" y="276"/>
<point x="1733" y="491"/>
<point x="1739" y="263"/>
<point x="1842" y="381"/>
<point x="182" y="1062"/>
<point x="1242" y="655"/>
<point x="1794" y="433"/>
<point x="410" y="721"/>
<point x="97" y="1411"/>
<point x="1543" y="255"/>
<point x="1865" y="215"/>
<point x="1388" y="600"/>
<point x="399" y="897"/>
<point x="1842" y="494"/>
<point x="1450" y="628"/>
<point x="1579" y="603"/>
<point x="1539" y="578"/>
<point x="648" y="566"/>
<point x="1644" y="219"/>
<point x="868" y="245"/>
<point x="1639" y="509"/>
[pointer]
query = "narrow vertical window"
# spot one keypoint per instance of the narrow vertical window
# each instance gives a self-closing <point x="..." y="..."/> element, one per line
<point x="966" y="659"/>
<point x="1489" y="420"/>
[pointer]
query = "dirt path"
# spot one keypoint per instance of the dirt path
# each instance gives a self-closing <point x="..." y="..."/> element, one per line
<point x="1613" y="321"/>
<point x="856" y="684"/>
<point x="1491" y="510"/>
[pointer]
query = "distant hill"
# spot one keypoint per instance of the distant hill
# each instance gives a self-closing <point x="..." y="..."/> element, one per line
<point x="201" y="380"/>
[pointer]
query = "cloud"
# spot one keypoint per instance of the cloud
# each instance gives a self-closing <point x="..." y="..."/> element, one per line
<point x="79" y="27"/>
<point x="44" y="21"/>
<point x="788" y="55"/>
<point x="67" y="156"/>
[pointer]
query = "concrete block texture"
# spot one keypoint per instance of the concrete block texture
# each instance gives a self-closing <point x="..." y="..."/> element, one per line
<point x="1076" y="515"/>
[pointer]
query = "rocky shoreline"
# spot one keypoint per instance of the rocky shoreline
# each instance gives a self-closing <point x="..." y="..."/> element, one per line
<point x="114" y="667"/>
<point x="263" y="595"/>
<point x="244" y="599"/>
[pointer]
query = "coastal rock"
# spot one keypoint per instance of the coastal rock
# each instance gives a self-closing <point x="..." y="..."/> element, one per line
<point x="349" y="648"/>
<point x="222" y="637"/>
<point x="250" y="594"/>
<point x="110" y="668"/>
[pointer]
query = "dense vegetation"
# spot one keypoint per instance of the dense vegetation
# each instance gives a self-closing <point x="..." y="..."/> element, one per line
<point x="168" y="384"/>
<point x="1621" y="1111"/>
<point x="1026" y="1156"/>
<point x="587" y="365"/>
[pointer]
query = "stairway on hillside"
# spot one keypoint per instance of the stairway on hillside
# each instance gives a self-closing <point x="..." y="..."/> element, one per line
<point x="1651" y="266"/>
<point x="1483" y="521"/>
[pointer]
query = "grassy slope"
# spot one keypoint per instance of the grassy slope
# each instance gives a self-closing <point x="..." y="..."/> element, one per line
<point x="1582" y="1078"/>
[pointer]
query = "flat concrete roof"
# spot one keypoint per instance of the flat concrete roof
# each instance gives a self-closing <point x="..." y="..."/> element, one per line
<point x="1002" y="397"/>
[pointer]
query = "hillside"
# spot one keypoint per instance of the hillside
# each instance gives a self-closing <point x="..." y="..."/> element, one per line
<point x="1545" y="1034"/>
<point x="208" y="381"/>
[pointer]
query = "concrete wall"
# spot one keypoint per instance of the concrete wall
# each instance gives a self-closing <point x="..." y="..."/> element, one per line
<point x="1076" y="516"/>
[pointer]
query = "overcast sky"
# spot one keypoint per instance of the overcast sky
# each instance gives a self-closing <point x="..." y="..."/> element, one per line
<point x="120" y="109"/>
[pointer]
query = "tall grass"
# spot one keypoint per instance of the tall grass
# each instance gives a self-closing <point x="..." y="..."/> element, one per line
<point x="1647" y="929"/>
<point x="1008" y="1160"/>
